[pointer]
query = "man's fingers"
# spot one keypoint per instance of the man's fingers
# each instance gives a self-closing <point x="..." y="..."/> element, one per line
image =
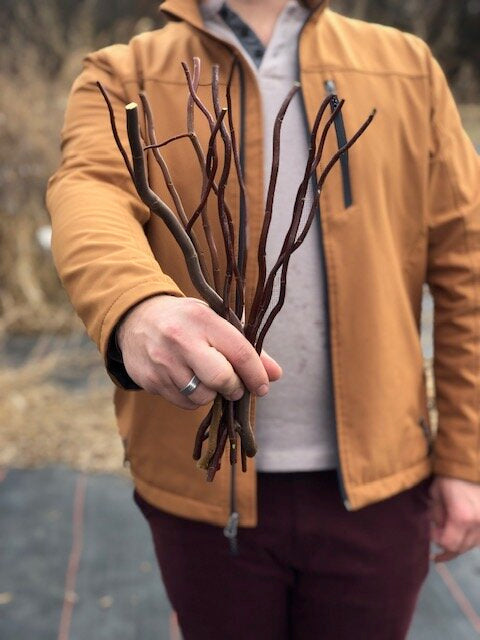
<point x="215" y="372"/>
<point x="242" y="356"/>
<point x="167" y="382"/>
<point x="201" y="396"/>
<point x="162" y="385"/>
<point x="273" y="369"/>
<point x="450" y="538"/>
<point x="470" y="540"/>
<point x="445" y="556"/>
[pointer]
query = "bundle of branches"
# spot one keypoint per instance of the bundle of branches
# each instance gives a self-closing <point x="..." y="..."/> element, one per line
<point x="227" y="420"/>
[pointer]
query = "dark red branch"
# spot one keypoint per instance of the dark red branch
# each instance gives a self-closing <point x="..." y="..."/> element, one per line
<point x="310" y="170"/>
<point x="243" y="212"/>
<point x="113" y="126"/>
<point x="262" y="246"/>
<point x="283" y="284"/>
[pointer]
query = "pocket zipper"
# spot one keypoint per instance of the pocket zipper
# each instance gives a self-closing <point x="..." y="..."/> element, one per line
<point x="331" y="89"/>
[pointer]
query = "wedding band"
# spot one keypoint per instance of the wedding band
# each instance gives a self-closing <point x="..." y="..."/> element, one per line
<point x="190" y="387"/>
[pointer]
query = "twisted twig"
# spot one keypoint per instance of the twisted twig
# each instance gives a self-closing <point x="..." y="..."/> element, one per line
<point x="243" y="212"/>
<point x="193" y="86"/>
<point x="153" y="145"/>
<point x="293" y="246"/>
<point x="310" y="169"/>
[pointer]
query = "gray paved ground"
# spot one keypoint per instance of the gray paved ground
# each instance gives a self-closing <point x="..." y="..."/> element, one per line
<point x="56" y="521"/>
<point x="117" y="592"/>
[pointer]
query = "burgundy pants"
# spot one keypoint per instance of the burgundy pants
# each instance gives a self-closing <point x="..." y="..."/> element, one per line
<point x="310" y="571"/>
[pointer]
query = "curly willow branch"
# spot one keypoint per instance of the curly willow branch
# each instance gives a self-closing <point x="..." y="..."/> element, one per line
<point x="228" y="421"/>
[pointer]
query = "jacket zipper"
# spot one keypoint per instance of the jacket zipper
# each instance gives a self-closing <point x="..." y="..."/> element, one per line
<point x="341" y="141"/>
<point x="231" y="529"/>
<point x="341" y="483"/>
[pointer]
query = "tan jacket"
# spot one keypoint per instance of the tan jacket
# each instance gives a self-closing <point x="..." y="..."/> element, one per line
<point x="415" y="217"/>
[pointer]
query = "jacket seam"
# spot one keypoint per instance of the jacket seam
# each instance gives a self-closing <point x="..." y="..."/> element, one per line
<point x="476" y="282"/>
<point x="340" y="414"/>
<point x="371" y="72"/>
<point x="475" y="274"/>
<point x="449" y="461"/>
<point x="362" y="485"/>
<point x="182" y="496"/>
<point x="309" y="70"/>
<point x="179" y="83"/>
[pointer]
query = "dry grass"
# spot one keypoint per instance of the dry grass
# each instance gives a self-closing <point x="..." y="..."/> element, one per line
<point x="46" y="422"/>
<point x="40" y="58"/>
<point x="31" y="107"/>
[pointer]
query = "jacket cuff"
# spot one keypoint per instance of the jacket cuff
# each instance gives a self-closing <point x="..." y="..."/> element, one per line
<point x="108" y="344"/>
<point x="115" y="367"/>
<point x="453" y="469"/>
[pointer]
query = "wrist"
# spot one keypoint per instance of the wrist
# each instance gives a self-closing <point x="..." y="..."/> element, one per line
<point x="130" y="316"/>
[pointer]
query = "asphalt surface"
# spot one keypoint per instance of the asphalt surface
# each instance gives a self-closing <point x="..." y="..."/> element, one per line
<point x="57" y="523"/>
<point x="76" y="563"/>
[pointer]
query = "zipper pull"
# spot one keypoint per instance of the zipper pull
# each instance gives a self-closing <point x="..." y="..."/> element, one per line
<point x="330" y="87"/>
<point x="231" y="532"/>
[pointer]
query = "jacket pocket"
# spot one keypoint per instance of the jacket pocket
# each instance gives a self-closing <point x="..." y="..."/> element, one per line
<point x="331" y="89"/>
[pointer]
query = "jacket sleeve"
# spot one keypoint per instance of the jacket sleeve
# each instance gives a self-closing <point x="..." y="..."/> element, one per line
<point x="454" y="279"/>
<point x="99" y="246"/>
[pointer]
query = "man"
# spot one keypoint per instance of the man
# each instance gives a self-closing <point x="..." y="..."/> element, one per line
<point x="334" y="525"/>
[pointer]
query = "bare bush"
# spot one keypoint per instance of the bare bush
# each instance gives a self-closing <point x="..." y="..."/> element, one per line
<point x="40" y="58"/>
<point x="46" y="421"/>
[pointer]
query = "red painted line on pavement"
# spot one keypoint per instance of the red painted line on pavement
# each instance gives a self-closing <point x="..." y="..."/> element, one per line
<point x="174" y="628"/>
<point x="459" y="596"/>
<point x="69" y="595"/>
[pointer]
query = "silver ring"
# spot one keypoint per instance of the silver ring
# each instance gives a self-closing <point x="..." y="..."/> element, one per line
<point x="190" y="387"/>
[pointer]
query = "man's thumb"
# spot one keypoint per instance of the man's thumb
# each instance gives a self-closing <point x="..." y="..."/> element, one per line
<point x="273" y="369"/>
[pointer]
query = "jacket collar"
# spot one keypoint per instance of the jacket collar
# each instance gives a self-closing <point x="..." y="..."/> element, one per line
<point x="189" y="10"/>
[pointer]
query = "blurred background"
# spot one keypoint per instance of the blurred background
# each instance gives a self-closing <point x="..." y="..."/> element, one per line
<point x="55" y="400"/>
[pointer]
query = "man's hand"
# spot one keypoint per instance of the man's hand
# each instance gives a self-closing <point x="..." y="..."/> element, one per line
<point x="166" y="340"/>
<point x="455" y="516"/>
